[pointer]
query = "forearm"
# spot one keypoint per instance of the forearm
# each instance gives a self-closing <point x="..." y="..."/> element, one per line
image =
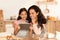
<point x="30" y="32"/>
<point x="15" y="31"/>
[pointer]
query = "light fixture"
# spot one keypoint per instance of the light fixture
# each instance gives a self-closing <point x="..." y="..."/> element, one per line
<point x="46" y="9"/>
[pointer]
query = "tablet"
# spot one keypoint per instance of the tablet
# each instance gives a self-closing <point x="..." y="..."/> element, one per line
<point x="24" y="26"/>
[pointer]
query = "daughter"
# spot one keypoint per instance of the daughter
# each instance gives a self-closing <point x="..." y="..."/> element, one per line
<point x="22" y="19"/>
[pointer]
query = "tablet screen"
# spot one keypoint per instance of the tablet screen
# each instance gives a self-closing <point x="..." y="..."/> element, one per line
<point x="24" y="26"/>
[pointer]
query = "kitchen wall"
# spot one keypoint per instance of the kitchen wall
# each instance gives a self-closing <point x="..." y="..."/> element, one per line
<point x="11" y="7"/>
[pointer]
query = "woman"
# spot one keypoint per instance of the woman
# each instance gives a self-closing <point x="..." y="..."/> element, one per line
<point x="22" y="19"/>
<point x="37" y="21"/>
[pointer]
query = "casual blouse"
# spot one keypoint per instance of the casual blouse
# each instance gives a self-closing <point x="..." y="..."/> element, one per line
<point x="38" y="31"/>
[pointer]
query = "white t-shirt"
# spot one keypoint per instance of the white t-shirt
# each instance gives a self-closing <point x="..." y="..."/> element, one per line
<point x="21" y="33"/>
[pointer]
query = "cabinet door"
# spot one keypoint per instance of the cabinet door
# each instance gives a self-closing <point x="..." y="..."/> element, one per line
<point x="2" y="26"/>
<point x="58" y="25"/>
<point x="51" y="26"/>
<point x="1" y="14"/>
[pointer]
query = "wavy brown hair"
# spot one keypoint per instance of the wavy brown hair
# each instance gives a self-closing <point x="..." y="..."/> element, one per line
<point x="40" y="17"/>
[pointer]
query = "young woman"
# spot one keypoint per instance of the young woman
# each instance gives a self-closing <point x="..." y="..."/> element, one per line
<point x="37" y="21"/>
<point x="22" y="19"/>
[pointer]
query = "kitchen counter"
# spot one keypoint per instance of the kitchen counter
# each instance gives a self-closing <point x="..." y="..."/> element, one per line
<point x="19" y="38"/>
<point x="9" y="27"/>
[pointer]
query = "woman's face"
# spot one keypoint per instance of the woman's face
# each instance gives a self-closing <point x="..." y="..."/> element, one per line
<point x="23" y="15"/>
<point x="33" y="14"/>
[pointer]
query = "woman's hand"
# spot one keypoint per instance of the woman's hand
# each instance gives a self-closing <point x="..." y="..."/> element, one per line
<point x="30" y="26"/>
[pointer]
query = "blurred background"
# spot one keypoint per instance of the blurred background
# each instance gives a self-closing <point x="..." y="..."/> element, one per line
<point x="9" y="10"/>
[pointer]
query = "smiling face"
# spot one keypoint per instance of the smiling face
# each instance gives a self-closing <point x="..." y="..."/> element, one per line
<point x="33" y="14"/>
<point x="23" y="15"/>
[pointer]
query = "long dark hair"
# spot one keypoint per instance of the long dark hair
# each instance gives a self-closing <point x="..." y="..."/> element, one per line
<point x="21" y="10"/>
<point x="40" y="16"/>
